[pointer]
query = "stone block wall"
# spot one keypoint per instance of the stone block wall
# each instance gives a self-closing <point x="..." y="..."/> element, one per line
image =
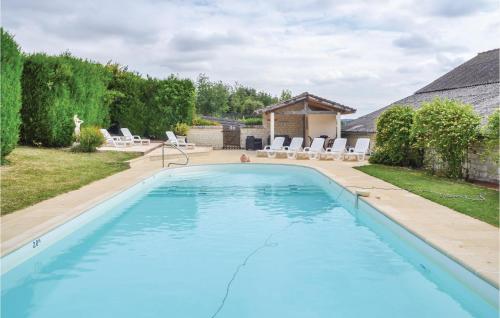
<point x="256" y="131"/>
<point x="210" y="136"/>
<point x="481" y="167"/>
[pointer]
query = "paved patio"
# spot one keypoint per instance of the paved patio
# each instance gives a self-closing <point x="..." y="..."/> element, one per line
<point x="469" y="241"/>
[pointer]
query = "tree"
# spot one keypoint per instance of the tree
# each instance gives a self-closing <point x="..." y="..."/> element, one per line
<point x="212" y="97"/>
<point x="285" y="94"/>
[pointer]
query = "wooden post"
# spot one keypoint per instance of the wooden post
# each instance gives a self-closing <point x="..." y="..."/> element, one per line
<point x="271" y="125"/>
<point x="339" y="124"/>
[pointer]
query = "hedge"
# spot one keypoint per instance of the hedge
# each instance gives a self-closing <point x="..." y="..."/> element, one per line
<point x="55" y="88"/>
<point x="10" y="94"/>
<point x="149" y="107"/>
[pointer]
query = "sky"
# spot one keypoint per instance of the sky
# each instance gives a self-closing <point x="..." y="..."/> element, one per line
<point x="363" y="54"/>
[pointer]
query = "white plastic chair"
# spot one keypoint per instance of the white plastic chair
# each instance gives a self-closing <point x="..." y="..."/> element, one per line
<point x="114" y="141"/>
<point x="360" y="150"/>
<point x="337" y="149"/>
<point x="314" y="151"/>
<point x="134" y="138"/>
<point x="275" y="146"/>
<point x="174" y="141"/>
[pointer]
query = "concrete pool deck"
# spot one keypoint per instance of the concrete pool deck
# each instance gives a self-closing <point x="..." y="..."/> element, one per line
<point x="473" y="243"/>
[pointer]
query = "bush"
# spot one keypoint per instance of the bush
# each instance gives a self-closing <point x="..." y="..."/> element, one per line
<point x="491" y="134"/>
<point x="55" y="88"/>
<point x="10" y="94"/>
<point x="181" y="129"/>
<point x="445" y="129"/>
<point x="90" y="138"/>
<point x="393" y="139"/>
<point x="199" y="121"/>
<point x="252" y="121"/>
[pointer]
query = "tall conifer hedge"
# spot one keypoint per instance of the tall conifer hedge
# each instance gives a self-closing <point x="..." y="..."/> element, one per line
<point x="55" y="88"/>
<point x="10" y="95"/>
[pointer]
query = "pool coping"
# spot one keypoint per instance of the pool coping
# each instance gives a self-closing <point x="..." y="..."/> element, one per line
<point x="56" y="222"/>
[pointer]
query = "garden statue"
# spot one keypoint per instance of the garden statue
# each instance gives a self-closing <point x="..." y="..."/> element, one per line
<point x="78" y="123"/>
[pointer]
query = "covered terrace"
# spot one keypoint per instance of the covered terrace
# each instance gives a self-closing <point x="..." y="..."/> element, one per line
<point x="305" y="115"/>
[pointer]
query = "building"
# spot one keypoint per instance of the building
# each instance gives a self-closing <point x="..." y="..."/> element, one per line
<point x="305" y="115"/>
<point x="475" y="82"/>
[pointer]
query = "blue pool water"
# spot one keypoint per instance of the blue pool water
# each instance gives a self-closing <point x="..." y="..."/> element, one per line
<point x="236" y="241"/>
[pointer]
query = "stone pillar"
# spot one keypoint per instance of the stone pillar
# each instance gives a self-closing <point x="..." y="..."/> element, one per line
<point x="271" y="122"/>
<point x="339" y="125"/>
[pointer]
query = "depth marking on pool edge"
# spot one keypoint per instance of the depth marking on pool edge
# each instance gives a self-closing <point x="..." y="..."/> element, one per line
<point x="37" y="242"/>
<point x="265" y="244"/>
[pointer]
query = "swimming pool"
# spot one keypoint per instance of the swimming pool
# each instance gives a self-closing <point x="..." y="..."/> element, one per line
<point x="237" y="241"/>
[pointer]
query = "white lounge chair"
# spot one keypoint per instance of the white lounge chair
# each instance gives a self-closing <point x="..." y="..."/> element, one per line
<point x="359" y="151"/>
<point x="134" y="138"/>
<point x="114" y="141"/>
<point x="174" y="141"/>
<point x="337" y="149"/>
<point x="295" y="145"/>
<point x="275" y="146"/>
<point x="314" y="151"/>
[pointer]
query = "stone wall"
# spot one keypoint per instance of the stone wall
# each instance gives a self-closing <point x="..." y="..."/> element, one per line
<point x="291" y="125"/>
<point x="353" y="137"/>
<point x="210" y="136"/>
<point x="481" y="167"/>
<point x="256" y="131"/>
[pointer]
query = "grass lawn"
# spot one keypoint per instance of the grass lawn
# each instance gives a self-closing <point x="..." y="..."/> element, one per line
<point x="432" y="188"/>
<point x="35" y="174"/>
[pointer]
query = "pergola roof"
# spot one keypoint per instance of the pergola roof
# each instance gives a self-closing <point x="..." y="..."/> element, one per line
<point x="312" y="100"/>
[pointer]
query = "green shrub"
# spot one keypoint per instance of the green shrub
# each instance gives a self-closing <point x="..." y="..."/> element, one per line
<point x="181" y="129"/>
<point x="10" y="94"/>
<point x="393" y="139"/>
<point x="90" y="138"/>
<point x="199" y="121"/>
<point x="491" y="134"/>
<point x="55" y="88"/>
<point x="253" y="121"/>
<point x="446" y="129"/>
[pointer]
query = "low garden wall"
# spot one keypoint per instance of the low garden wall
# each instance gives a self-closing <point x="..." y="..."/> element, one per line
<point x="481" y="167"/>
<point x="210" y="136"/>
<point x="256" y="131"/>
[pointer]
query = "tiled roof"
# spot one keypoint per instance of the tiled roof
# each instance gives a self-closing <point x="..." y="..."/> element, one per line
<point x="475" y="82"/>
<point x="309" y="97"/>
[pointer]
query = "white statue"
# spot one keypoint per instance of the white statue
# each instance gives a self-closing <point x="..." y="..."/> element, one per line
<point x="78" y="123"/>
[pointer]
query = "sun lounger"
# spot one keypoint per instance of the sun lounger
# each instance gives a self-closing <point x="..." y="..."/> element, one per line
<point x="134" y="138"/>
<point x="314" y="151"/>
<point x="359" y="151"/>
<point x="275" y="146"/>
<point x="174" y="141"/>
<point x="337" y="149"/>
<point x="114" y="141"/>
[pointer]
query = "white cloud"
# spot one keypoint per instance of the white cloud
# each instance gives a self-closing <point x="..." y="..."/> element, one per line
<point x="364" y="54"/>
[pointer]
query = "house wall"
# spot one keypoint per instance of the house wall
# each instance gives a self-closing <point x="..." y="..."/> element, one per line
<point x="256" y="131"/>
<point x="291" y="125"/>
<point x="206" y="136"/>
<point x="322" y="125"/>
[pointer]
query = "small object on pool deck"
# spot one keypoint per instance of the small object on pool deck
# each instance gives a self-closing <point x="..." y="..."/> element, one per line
<point x="363" y="193"/>
<point x="244" y="158"/>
